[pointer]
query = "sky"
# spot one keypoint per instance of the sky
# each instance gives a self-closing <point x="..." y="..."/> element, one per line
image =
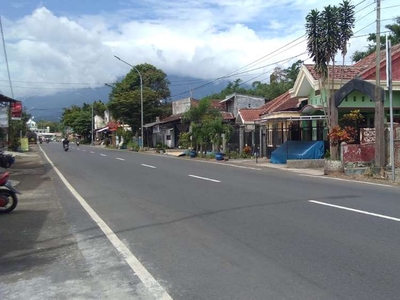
<point x="64" y="45"/>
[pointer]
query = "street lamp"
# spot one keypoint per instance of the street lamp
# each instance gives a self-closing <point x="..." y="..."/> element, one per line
<point x="141" y="97"/>
<point x="91" y="132"/>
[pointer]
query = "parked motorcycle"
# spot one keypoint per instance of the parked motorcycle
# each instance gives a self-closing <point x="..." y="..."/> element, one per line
<point x="8" y="194"/>
<point x="6" y="160"/>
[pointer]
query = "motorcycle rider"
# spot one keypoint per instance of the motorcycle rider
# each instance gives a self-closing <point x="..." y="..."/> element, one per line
<point x="65" y="142"/>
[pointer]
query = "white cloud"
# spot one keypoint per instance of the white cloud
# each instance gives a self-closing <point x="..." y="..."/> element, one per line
<point x="204" y="39"/>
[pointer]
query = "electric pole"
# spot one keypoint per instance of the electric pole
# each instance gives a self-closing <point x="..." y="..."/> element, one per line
<point x="379" y="104"/>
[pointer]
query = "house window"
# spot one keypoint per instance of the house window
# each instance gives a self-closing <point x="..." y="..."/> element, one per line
<point x="345" y="99"/>
<point x="317" y="93"/>
<point x="354" y="98"/>
<point x="168" y="137"/>
<point x="363" y="98"/>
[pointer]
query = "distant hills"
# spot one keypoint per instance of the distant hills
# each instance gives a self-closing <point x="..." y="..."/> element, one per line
<point x="51" y="107"/>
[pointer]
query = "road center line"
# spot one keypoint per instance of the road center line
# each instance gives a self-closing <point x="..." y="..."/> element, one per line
<point x="84" y="150"/>
<point x="148" y="166"/>
<point x="120" y="158"/>
<point x="91" y="152"/>
<point x="204" y="178"/>
<point x="355" y="210"/>
<point x="154" y="288"/>
<point x="103" y="155"/>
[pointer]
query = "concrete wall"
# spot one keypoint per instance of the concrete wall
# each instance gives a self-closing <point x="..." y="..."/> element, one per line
<point x="243" y="101"/>
<point x="180" y="106"/>
<point x="305" y="163"/>
<point x="358" y="153"/>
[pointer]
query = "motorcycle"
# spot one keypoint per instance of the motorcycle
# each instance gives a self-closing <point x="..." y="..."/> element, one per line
<point x="66" y="147"/>
<point x="6" y="160"/>
<point x="77" y="144"/>
<point x="8" y="194"/>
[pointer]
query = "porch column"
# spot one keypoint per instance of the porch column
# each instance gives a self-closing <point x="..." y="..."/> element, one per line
<point x="253" y="139"/>
<point x="241" y="139"/>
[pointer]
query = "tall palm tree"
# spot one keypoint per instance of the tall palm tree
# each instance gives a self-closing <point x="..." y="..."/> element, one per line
<point x="323" y="42"/>
<point x="346" y="23"/>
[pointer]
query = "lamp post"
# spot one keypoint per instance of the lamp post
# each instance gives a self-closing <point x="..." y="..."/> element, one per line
<point x="91" y="131"/>
<point x="141" y="97"/>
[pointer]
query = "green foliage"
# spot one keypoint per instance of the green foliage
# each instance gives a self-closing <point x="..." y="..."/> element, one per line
<point x="207" y="124"/>
<point x="80" y="118"/>
<point x="125" y="97"/>
<point x="353" y="118"/>
<point x="16" y="128"/>
<point x="184" y="140"/>
<point x="133" y="146"/>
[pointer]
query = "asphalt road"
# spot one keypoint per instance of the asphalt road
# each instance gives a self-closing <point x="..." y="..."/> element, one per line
<point x="213" y="231"/>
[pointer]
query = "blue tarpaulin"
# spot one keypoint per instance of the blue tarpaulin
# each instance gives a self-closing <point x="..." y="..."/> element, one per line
<point x="298" y="150"/>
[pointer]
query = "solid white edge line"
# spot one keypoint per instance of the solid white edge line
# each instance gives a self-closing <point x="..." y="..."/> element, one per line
<point x="148" y="280"/>
<point x="204" y="178"/>
<point x="355" y="210"/>
<point x="347" y="180"/>
<point x="148" y="166"/>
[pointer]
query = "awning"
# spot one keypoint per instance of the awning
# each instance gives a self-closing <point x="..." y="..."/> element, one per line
<point x="310" y="109"/>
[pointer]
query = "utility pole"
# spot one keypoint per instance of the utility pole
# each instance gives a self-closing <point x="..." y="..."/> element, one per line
<point x="379" y="104"/>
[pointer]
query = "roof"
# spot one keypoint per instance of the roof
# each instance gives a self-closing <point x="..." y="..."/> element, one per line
<point x="283" y="102"/>
<point x="227" y="115"/>
<point x="363" y="68"/>
<point x="218" y="104"/>
<point x="4" y="98"/>
<point x="250" y="115"/>
<point x="171" y="119"/>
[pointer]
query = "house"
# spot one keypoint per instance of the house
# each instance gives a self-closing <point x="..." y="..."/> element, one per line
<point x="166" y="131"/>
<point x="299" y="114"/>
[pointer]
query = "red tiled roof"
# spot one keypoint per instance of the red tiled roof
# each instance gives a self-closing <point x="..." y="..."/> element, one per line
<point x="363" y="68"/>
<point x="249" y="115"/>
<point x="220" y="106"/>
<point x="344" y="72"/>
<point x="227" y="115"/>
<point x="281" y="103"/>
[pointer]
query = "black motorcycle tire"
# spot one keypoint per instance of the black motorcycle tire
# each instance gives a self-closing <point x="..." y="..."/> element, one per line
<point x="8" y="194"/>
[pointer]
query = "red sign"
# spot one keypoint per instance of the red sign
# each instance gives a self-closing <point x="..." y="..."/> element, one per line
<point x="16" y="110"/>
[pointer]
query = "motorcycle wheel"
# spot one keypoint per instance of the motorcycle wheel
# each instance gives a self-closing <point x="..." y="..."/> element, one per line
<point x="12" y="200"/>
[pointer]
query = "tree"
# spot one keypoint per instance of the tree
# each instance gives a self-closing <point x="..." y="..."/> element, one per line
<point x="324" y="39"/>
<point x="346" y="23"/>
<point x="206" y="124"/>
<point x="394" y="36"/>
<point x="125" y="98"/>
<point x="16" y="129"/>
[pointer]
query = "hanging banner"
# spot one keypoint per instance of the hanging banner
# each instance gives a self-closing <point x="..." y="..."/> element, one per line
<point x="16" y="110"/>
<point x="4" y="116"/>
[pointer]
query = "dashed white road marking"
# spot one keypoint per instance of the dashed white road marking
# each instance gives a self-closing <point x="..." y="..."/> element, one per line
<point x="355" y="210"/>
<point x="91" y="152"/>
<point x="154" y="288"/>
<point x="204" y="178"/>
<point x="120" y="158"/>
<point x="83" y="150"/>
<point x="103" y="154"/>
<point x="148" y="166"/>
<point x="347" y="180"/>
